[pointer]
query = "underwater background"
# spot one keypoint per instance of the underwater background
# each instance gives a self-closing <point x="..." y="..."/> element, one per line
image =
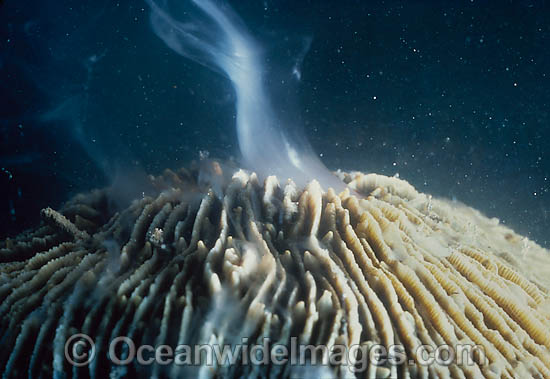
<point x="453" y="96"/>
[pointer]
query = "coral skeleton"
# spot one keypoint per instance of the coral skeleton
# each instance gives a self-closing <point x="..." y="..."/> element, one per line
<point x="377" y="264"/>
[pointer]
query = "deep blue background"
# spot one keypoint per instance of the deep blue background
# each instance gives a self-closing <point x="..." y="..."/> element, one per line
<point x="452" y="95"/>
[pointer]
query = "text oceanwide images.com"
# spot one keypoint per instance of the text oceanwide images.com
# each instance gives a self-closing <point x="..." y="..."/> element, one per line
<point x="80" y="351"/>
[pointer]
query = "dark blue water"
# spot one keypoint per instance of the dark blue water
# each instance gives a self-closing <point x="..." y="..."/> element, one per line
<point x="453" y="96"/>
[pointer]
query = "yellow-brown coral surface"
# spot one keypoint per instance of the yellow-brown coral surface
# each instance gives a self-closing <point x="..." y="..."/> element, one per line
<point x="379" y="264"/>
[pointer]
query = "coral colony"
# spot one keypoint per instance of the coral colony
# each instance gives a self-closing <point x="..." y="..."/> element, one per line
<point x="280" y="269"/>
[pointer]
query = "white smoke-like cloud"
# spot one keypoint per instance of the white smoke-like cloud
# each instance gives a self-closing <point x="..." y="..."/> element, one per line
<point x="211" y="33"/>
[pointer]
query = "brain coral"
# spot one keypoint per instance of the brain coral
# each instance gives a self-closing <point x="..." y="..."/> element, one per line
<point x="379" y="264"/>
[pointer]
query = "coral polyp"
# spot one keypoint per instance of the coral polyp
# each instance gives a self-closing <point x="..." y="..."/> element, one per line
<point x="378" y="264"/>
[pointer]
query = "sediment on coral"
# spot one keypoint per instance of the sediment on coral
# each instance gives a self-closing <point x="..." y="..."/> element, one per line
<point x="378" y="264"/>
